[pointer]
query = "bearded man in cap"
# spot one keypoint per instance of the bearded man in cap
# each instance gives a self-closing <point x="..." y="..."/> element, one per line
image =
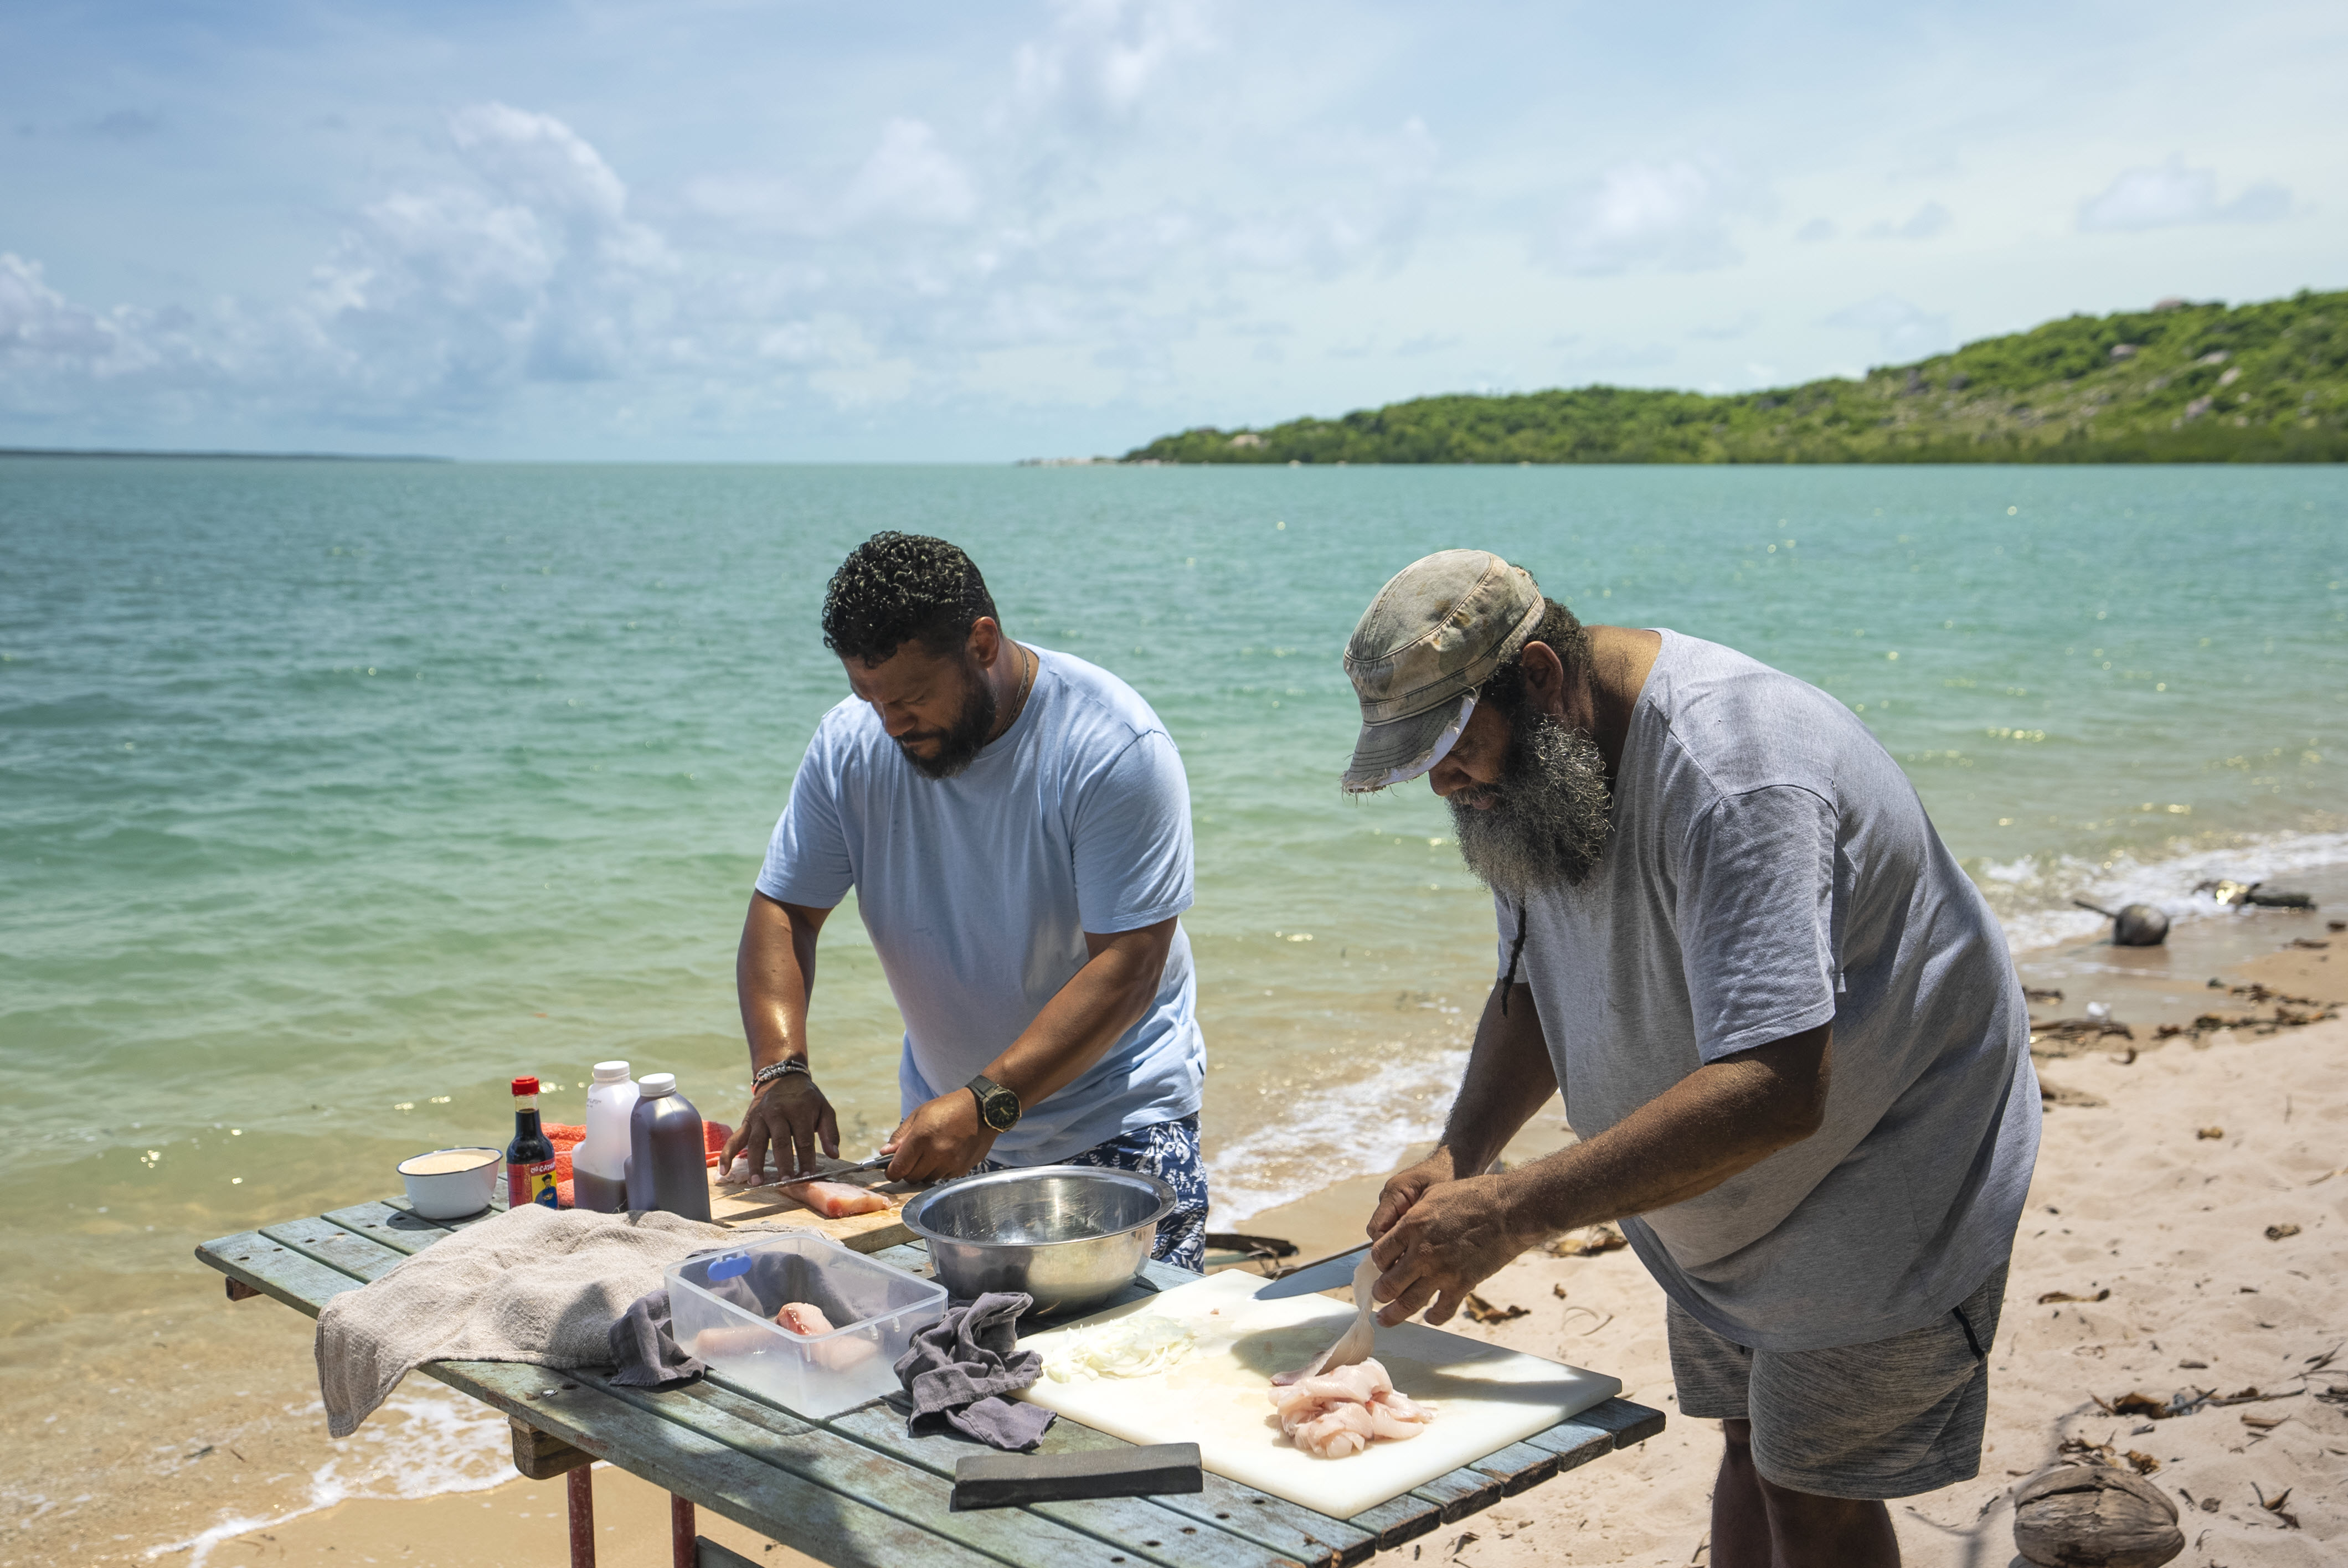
<point x="1015" y="826"/>
<point x="1790" y="1038"/>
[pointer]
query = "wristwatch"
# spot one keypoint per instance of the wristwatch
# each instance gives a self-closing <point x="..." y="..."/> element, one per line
<point x="998" y="1106"/>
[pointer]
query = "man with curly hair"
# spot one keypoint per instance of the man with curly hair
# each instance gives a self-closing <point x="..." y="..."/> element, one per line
<point x="1016" y="827"/>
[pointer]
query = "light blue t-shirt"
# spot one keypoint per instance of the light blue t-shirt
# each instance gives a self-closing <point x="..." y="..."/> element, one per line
<point x="978" y="890"/>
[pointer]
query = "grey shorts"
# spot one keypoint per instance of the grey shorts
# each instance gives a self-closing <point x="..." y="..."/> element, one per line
<point x="1892" y="1418"/>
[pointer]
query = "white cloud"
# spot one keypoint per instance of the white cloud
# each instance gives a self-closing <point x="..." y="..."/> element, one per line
<point x="38" y="323"/>
<point x="540" y="163"/>
<point x="1816" y="232"/>
<point x="1904" y="331"/>
<point x="532" y="273"/>
<point x="839" y="361"/>
<point x="1100" y="58"/>
<point x="910" y="179"/>
<point x="437" y="299"/>
<point x="1672" y="217"/>
<point x="2175" y="194"/>
<point x="1928" y="220"/>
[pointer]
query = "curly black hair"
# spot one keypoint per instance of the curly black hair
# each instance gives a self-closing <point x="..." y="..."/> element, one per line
<point x="895" y="589"/>
<point x="1504" y="687"/>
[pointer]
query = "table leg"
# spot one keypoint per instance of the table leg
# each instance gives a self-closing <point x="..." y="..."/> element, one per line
<point x="683" y="1551"/>
<point x="580" y="1486"/>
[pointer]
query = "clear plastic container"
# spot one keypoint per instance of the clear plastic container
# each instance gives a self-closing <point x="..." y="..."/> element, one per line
<point x="722" y="1309"/>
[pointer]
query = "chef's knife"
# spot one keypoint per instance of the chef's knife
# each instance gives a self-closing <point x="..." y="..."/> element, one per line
<point x="1329" y="1274"/>
<point x="863" y="1172"/>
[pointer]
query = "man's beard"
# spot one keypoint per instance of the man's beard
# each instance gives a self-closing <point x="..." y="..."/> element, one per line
<point x="960" y="743"/>
<point x="1546" y="825"/>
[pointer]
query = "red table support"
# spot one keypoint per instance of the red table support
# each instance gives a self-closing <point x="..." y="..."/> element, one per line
<point x="580" y="1484"/>
<point x="680" y="1531"/>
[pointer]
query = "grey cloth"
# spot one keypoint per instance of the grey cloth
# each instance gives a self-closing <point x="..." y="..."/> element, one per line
<point x="1893" y="1418"/>
<point x="961" y="1367"/>
<point x="644" y="1349"/>
<point x="536" y="1285"/>
<point x="1770" y="869"/>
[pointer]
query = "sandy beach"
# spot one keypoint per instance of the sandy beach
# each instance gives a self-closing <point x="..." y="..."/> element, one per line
<point x="2158" y="1254"/>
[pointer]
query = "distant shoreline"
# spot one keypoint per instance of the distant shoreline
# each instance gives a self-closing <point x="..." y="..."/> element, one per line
<point x="223" y="456"/>
<point x="2179" y="383"/>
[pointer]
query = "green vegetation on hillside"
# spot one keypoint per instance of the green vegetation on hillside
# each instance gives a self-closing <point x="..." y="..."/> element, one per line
<point x="2177" y="383"/>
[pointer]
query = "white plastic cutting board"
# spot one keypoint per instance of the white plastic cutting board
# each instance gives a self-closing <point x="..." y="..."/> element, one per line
<point x="1218" y="1397"/>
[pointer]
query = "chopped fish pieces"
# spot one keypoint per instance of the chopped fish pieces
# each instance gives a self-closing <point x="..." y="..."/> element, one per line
<point x="1331" y="1414"/>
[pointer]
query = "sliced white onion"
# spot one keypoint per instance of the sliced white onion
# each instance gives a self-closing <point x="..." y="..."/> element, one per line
<point x="1130" y="1348"/>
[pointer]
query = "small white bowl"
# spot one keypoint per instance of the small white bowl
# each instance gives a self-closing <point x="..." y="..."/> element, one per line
<point x="444" y="1195"/>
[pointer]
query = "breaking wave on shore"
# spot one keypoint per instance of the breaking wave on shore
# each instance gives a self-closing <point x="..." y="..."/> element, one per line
<point x="2032" y="897"/>
<point x="1331" y="1133"/>
<point x="425" y="1442"/>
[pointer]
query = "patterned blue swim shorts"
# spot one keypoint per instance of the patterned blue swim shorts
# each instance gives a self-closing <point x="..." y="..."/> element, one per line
<point x="1169" y="1151"/>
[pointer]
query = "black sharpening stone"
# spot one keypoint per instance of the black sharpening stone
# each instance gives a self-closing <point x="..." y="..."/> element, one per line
<point x="1009" y="1480"/>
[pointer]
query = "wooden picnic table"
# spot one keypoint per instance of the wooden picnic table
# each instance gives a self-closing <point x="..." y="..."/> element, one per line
<point x="853" y="1490"/>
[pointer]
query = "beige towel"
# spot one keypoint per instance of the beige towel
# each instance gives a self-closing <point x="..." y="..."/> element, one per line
<point x="536" y="1285"/>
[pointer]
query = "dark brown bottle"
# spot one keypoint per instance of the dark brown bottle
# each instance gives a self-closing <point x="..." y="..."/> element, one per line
<point x="529" y="1158"/>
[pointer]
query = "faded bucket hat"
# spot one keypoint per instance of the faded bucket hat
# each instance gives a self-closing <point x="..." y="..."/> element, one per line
<point x="1435" y="632"/>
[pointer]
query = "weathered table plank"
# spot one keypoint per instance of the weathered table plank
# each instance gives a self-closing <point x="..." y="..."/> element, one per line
<point x="1630" y="1423"/>
<point x="1287" y="1529"/>
<point x="1155" y="1534"/>
<point x="834" y="1523"/>
<point x="336" y="1247"/>
<point x="840" y="1527"/>
<point x="1520" y="1467"/>
<point x="394" y="1228"/>
<point x="825" y="1459"/>
<point x="855" y="1490"/>
<point x="276" y="1271"/>
<point x="1574" y="1444"/>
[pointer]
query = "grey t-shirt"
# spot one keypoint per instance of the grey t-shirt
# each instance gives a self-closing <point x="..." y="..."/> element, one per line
<point x="1770" y="869"/>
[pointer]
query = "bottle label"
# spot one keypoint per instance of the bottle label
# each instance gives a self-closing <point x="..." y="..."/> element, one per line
<point x="532" y="1182"/>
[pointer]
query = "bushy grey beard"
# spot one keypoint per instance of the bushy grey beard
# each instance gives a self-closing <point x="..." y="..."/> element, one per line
<point x="961" y="742"/>
<point x="1545" y="825"/>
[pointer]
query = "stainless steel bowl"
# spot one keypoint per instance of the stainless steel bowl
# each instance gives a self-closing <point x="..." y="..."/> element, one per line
<point x="1069" y="1235"/>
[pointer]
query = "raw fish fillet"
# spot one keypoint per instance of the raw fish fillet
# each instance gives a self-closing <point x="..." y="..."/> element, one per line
<point x="803" y="1317"/>
<point x="1330" y="1415"/>
<point x="834" y="1200"/>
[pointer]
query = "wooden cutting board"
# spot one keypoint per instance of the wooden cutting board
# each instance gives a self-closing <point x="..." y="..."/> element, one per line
<point x="1218" y="1397"/>
<point x="766" y="1205"/>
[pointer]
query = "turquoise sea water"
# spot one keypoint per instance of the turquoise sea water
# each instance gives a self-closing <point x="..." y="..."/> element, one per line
<point x="333" y="795"/>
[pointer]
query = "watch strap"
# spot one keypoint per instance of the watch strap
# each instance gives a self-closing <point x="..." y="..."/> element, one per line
<point x="986" y="1092"/>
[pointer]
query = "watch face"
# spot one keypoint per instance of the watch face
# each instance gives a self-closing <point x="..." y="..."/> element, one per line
<point x="1001" y="1109"/>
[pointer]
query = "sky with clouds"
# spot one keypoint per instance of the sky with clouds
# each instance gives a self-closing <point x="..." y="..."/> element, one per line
<point x="815" y="231"/>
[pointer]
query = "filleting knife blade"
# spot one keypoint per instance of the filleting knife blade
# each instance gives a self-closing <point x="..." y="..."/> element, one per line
<point x="1329" y="1274"/>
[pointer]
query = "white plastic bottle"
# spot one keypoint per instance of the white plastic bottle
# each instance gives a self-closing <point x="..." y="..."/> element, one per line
<point x="599" y="1167"/>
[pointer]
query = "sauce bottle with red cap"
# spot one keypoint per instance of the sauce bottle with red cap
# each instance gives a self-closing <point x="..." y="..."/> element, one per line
<point x="529" y="1158"/>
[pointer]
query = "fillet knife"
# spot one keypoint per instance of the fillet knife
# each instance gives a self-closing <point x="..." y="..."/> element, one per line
<point x="1329" y="1274"/>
